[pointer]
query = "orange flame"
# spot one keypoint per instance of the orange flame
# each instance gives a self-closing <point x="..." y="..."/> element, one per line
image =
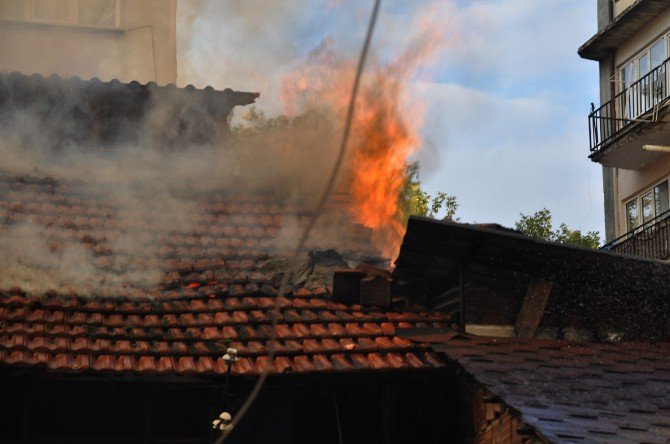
<point x="385" y="130"/>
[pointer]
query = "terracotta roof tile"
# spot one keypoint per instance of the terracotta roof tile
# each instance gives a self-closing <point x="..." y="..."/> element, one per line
<point x="103" y="362"/>
<point x="123" y="363"/>
<point x="355" y="330"/>
<point x="228" y="332"/>
<point x="341" y="363"/>
<point x="414" y="361"/>
<point x="322" y="363"/>
<point x="34" y="343"/>
<point x="60" y="361"/>
<point x="282" y="364"/>
<point x="37" y="358"/>
<point x="14" y="357"/>
<point x="80" y="363"/>
<point x="35" y="329"/>
<point x="185" y="364"/>
<point x="365" y="345"/>
<point x="360" y="362"/>
<point x="319" y="330"/>
<point x="211" y="333"/>
<point x="330" y="346"/>
<point x="396" y="360"/>
<point x="243" y="366"/>
<point x="337" y="330"/>
<point x="377" y="361"/>
<point x="348" y="344"/>
<point x="302" y="364"/>
<point x="212" y="292"/>
<point x="205" y="364"/>
<point x="300" y="331"/>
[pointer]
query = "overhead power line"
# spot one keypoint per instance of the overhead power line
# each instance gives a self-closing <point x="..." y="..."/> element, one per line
<point x="310" y="226"/>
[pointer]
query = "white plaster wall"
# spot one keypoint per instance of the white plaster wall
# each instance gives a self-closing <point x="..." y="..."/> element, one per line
<point x="148" y="33"/>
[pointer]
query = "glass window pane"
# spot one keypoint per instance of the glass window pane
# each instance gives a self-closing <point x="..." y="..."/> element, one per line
<point x="12" y="9"/>
<point x="661" y="197"/>
<point x="52" y="10"/>
<point x="97" y="12"/>
<point x="643" y="63"/>
<point x="632" y="214"/>
<point x="629" y="74"/>
<point x="658" y="53"/>
<point x="647" y="207"/>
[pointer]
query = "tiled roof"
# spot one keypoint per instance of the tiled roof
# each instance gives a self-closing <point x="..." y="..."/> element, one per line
<point x="606" y="392"/>
<point x="215" y="293"/>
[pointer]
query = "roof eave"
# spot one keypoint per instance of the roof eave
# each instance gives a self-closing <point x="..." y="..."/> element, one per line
<point x="631" y="20"/>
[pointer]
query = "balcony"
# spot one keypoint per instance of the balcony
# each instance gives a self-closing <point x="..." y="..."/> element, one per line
<point x="651" y="240"/>
<point x="618" y="129"/>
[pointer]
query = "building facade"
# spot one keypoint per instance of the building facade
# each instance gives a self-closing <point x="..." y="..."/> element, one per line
<point x="629" y="130"/>
<point x="108" y="39"/>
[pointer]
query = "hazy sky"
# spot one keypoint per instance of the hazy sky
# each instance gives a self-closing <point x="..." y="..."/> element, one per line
<point x="507" y="99"/>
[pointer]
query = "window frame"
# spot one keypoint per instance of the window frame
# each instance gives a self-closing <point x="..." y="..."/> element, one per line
<point x="73" y="16"/>
<point x="635" y="60"/>
<point x="637" y="198"/>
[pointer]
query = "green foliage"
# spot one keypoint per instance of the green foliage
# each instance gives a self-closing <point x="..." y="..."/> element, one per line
<point x="540" y="226"/>
<point x="414" y="200"/>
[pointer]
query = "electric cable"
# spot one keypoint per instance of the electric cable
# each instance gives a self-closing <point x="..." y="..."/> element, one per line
<point x="310" y="226"/>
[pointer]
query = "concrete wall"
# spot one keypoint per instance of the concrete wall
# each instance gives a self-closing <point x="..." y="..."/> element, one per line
<point x="604" y="13"/>
<point x="621" y="5"/>
<point x="607" y="92"/>
<point x="606" y="67"/>
<point x="142" y="48"/>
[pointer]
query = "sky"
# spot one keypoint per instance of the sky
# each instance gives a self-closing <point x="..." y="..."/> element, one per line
<point x="506" y="97"/>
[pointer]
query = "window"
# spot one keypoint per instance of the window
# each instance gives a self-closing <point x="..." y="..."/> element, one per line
<point x="661" y="197"/>
<point x="644" y="92"/>
<point x="647" y="205"/>
<point x="631" y="214"/>
<point x="91" y="13"/>
<point x="97" y="12"/>
<point x="658" y="54"/>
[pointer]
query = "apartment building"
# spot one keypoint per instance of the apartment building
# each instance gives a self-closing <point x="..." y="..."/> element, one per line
<point x="109" y="39"/>
<point x="629" y="131"/>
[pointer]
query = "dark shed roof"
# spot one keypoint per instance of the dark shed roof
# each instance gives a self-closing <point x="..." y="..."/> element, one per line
<point x="602" y="288"/>
<point x="92" y="112"/>
<point x="570" y="392"/>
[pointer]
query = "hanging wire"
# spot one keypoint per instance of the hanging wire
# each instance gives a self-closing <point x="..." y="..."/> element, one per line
<point x="310" y="226"/>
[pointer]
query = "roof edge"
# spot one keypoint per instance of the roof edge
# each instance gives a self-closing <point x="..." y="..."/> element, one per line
<point x="596" y="47"/>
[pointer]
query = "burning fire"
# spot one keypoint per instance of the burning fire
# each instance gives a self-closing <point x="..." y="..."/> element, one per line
<point x="385" y="130"/>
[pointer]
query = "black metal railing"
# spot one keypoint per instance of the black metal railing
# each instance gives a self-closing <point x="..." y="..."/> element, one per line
<point x="650" y="240"/>
<point x="641" y="98"/>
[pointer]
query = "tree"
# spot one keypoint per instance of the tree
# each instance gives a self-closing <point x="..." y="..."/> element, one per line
<point x="414" y="200"/>
<point x="540" y="226"/>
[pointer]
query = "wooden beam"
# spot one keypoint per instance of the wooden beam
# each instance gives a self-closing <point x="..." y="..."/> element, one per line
<point x="533" y="307"/>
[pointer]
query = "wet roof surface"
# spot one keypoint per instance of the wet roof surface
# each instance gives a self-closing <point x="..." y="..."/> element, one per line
<point x="572" y="392"/>
<point x="605" y="291"/>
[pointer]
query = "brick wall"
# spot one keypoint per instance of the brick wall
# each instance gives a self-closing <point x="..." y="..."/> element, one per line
<point x="495" y="423"/>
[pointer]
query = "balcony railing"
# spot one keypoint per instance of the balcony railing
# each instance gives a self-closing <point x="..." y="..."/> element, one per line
<point x="639" y="102"/>
<point x="651" y="240"/>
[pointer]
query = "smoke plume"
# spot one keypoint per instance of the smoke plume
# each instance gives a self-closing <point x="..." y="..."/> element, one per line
<point x="105" y="221"/>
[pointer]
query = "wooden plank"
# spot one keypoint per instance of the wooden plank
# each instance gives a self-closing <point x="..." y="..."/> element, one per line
<point x="533" y="307"/>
